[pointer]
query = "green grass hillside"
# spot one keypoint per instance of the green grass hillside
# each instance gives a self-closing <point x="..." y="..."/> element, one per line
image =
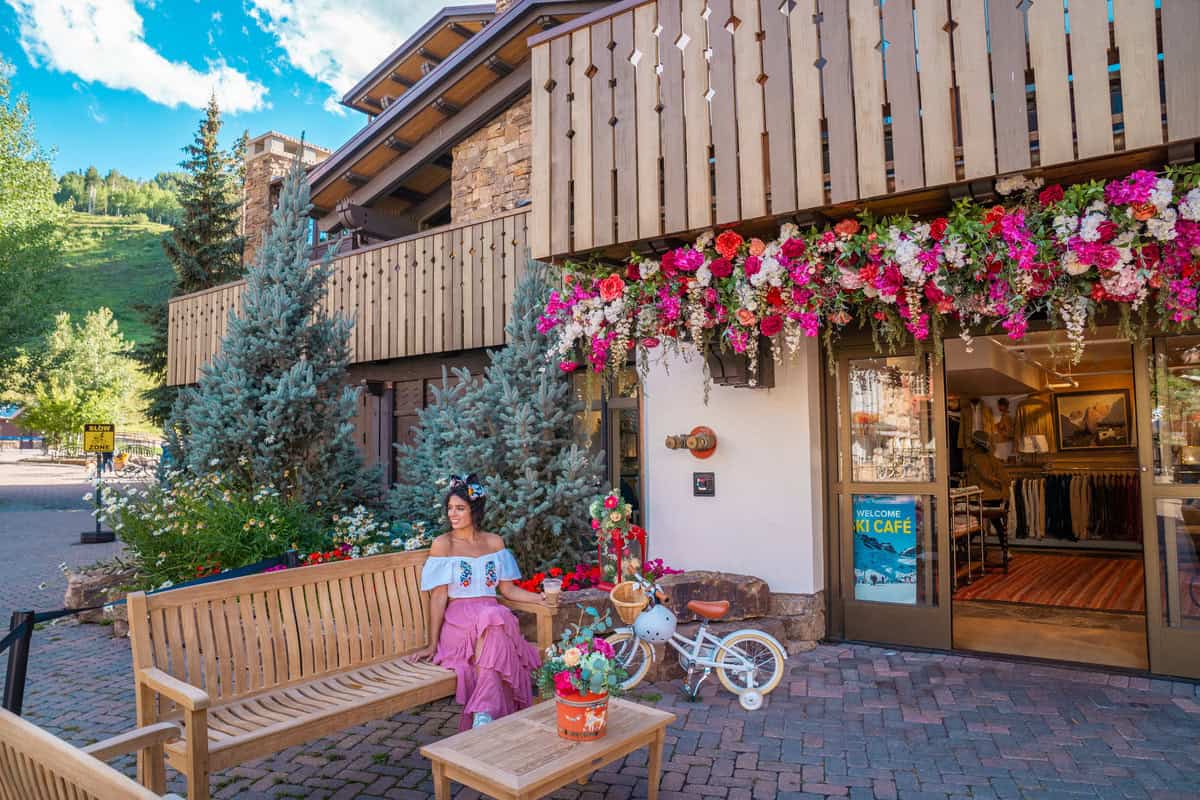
<point x="115" y="262"/>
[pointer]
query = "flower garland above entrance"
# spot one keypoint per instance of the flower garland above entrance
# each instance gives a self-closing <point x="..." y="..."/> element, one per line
<point x="1062" y="253"/>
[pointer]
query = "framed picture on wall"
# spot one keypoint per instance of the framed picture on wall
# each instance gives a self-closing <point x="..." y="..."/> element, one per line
<point x="1093" y="420"/>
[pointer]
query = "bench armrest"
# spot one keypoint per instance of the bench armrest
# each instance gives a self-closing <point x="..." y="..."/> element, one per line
<point x="545" y="619"/>
<point x="159" y="733"/>
<point x="183" y="694"/>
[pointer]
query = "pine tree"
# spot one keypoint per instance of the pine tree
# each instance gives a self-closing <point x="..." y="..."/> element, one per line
<point x="204" y="248"/>
<point x="517" y="429"/>
<point x="272" y="408"/>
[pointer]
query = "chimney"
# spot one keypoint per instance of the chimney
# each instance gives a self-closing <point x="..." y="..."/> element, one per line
<point x="268" y="157"/>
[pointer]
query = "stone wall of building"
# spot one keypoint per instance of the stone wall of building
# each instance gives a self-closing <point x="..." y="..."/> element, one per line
<point x="268" y="157"/>
<point x="491" y="171"/>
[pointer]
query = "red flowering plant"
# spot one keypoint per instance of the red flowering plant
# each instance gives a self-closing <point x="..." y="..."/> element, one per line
<point x="615" y="534"/>
<point x="1060" y="253"/>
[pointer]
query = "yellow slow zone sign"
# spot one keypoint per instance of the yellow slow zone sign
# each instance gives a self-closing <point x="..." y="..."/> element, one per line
<point x="99" y="438"/>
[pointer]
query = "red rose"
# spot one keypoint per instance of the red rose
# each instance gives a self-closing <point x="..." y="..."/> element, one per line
<point x="846" y="228"/>
<point x="1050" y="195"/>
<point x="792" y="248"/>
<point x="611" y="288"/>
<point x="752" y="265"/>
<point x="774" y="296"/>
<point x="728" y="244"/>
<point x="771" y="324"/>
<point x="721" y="267"/>
<point x="1107" y="231"/>
<point x="994" y="215"/>
<point x="1098" y="293"/>
<point x="633" y="272"/>
<point x="937" y="228"/>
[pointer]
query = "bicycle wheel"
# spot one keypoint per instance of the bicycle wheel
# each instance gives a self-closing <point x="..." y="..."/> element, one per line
<point x="755" y="663"/>
<point x="633" y="655"/>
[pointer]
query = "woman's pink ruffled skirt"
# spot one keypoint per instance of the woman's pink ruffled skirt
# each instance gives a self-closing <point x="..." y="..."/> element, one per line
<point x="502" y="681"/>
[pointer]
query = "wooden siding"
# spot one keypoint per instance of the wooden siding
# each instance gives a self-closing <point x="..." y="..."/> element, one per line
<point x="745" y="109"/>
<point x="443" y="290"/>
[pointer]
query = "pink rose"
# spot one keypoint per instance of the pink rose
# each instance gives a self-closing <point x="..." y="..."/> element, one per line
<point x="610" y="502"/>
<point x="720" y="267"/>
<point x="562" y="683"/>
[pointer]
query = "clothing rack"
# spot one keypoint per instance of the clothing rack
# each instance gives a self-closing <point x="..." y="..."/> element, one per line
<point x="1071" y="506"/>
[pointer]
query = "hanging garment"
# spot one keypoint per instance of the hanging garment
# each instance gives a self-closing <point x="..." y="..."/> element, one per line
<point x="975" y="417"/>
<point x="1033" y="417"/>
<point x="953" y="422"/>
<point x="1011" y="522"/>
<point x="1020" y="504"/>
<point x="1079" y="506"/>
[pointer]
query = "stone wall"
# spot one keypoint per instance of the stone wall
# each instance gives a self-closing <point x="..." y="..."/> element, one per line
<point x="491" y="170"/>
<point x="268" y="157"/>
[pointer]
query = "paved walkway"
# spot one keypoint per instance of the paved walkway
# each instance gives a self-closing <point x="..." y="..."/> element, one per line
<point x="850" y="721"/>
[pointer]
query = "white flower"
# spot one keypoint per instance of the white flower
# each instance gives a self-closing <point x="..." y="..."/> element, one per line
<point x="789" y="230"/>
<point x="1070" y="263"/>
<point x="1162" y="227"/>
<point x="1089" y="228"/>
<point x="212" y="462"/>
<point x="704" y="240"/>
<point x="1189" y="206"/>
<point x="648" y="268"/>
<point x="1097" y="207"/>
<point x="88" y="496"/>
<point x="1065" y="225"/>
<point x="704" y="275"/>
<point x="1162" y="193"/>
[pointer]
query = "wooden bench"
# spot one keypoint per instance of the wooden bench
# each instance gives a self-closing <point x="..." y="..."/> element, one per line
<point x="257" y="664"/>
<point x="37" y="766"/>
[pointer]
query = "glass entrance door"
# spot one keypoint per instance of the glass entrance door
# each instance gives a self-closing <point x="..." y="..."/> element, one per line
<point x="1168" y="385"/>
<point x="890" y="490"/>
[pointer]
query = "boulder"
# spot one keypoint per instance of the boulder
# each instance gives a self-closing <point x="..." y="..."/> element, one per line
<point x="803" y="615"/>
<point x="96" y="586"/>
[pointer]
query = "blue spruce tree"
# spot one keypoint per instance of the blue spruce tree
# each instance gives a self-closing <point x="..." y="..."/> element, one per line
<point x="273" y="407"/>
<point x="518" y="430"/>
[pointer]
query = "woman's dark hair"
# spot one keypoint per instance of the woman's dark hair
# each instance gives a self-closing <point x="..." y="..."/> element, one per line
<point x="471" y="490"/>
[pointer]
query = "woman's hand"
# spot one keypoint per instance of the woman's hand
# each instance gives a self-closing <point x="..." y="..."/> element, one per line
<point x="424" y="654"/>
<point x="548" y="600"/>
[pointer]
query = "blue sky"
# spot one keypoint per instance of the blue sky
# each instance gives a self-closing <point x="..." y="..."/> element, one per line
<point x="122" y="83"/>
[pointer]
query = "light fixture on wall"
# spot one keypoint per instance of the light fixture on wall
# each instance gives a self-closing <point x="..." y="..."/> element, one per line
<point x="702" y="441"/>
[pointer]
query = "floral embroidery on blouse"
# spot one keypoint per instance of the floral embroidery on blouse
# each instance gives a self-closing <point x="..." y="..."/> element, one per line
<point x="490" y="576"/>
<point x="464" y="575"/>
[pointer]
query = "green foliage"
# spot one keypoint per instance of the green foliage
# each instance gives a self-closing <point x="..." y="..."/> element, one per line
<point x="517" y="429"/>
<point x="30" y="225"/>
<point x="83" y="374"/>
<point x="204" y="248"/>
<point x="116" y="262"/>
<point x="273" y="407"/>
<point x="190" y="526"/>
<point x="116" y="195"/>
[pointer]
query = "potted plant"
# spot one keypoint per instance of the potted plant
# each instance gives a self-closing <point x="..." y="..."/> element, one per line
<point x="615" y="537"/>
<point x="582" y="672"/>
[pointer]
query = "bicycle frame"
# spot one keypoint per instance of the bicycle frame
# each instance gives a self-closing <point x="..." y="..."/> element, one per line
<point x="692" y="649"/>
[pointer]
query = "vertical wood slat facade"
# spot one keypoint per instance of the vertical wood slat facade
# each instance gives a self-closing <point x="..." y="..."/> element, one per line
<point x="761" y="108"/>
<point x="439" y="291"/>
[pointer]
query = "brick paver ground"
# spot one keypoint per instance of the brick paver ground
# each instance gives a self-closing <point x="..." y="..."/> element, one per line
<point x="850" y="721"/>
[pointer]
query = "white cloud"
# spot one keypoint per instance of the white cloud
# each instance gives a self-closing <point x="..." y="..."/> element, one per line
<point x="216" y="16"/>
<point x="96" y="114"/>
<point x="104" y="41"/>
<point x="332" y="105"/>
<point x="338" y="43"/>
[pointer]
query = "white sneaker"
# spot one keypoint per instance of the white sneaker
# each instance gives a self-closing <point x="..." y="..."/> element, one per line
<point x="481" y="718"/>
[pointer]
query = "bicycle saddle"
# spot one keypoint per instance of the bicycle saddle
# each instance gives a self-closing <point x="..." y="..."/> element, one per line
<point x="709" y="609"/>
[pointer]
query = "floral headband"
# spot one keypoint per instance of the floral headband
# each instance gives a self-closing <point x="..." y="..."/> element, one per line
<point x="474" y="490"/>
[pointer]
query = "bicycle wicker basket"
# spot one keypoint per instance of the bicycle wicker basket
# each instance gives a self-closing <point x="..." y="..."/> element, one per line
<point x="628" y="598"/>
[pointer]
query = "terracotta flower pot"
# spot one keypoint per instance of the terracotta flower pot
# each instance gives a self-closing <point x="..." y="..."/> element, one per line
<point x="582" y="717"/>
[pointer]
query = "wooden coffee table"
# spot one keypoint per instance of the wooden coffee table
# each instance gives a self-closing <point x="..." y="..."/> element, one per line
<point x="521" y="756"/>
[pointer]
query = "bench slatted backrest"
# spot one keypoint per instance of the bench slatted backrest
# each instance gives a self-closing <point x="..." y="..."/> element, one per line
<point x="37" y="766"/>
<point x="247" y="635"/>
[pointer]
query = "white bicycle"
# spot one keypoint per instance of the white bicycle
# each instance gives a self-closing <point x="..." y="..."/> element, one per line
<point x="748" y="662"/>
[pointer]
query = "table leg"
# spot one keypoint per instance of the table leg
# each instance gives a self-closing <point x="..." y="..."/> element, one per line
<point x="654" y="767"/>
<point x="441" y="784"/>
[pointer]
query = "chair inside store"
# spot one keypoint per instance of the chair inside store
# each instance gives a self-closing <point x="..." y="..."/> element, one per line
<point x="1046" y="513"/>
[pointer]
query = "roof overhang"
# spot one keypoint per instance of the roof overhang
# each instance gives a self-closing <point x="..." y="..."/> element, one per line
<point x="432" y="43"/>
<point x="498" y="55"/>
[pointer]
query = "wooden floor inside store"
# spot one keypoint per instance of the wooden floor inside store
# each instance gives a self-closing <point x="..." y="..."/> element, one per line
<point x="1098" y="582"/>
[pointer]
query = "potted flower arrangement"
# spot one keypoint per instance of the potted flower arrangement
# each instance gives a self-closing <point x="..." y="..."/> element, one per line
<point x="615" y="535"/>
<point x="582" y="672"/>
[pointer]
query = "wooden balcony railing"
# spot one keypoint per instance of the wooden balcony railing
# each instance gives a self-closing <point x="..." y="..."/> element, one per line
<point x="659" y="117"/>
<point x="442" y="290"/>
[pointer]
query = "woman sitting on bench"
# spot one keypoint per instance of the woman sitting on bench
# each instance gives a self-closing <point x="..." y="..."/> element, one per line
<point x="476" y="636"/>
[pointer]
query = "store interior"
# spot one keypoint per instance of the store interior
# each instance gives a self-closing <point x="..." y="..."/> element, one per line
<point x="1046" y="513"/>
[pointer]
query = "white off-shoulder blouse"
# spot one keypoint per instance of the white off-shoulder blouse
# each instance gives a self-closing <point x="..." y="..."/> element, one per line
<point x="470" y="577"/>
